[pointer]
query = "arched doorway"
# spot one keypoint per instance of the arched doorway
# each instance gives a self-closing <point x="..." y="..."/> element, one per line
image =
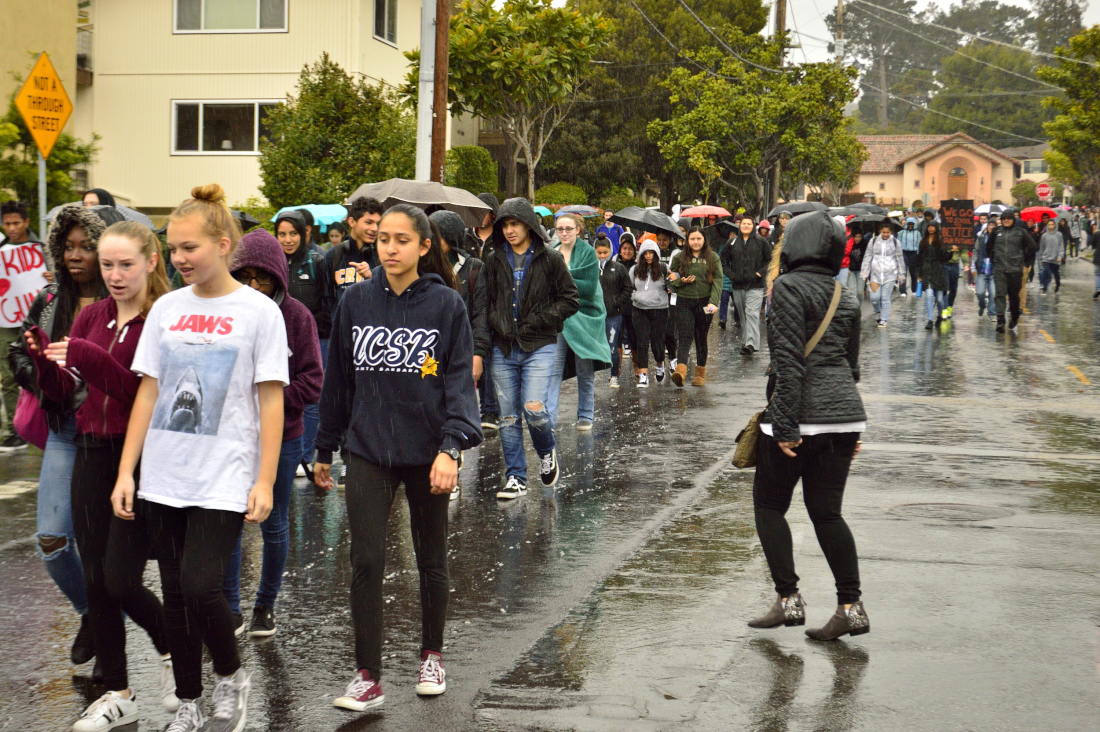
<point x="958" y="184"/>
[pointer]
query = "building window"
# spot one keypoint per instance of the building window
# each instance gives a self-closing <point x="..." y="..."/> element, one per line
<point x="916" y="184"/>
<point x="882" y="186"/>
<point x="231" y="16"/>
<point x="385" y="20"/>
<point x="1035" y="166"/>
<point x="997" y="184"/>
<point x="229" y="127"/>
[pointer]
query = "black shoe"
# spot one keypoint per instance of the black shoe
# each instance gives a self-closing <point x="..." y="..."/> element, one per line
<point x="340" y="476"/>
<point x="981" y="310"/>
<point x="1096" y="294"/>
<point x="238" y="624"/>
<point x="1000" y="327"/>
<point x="853" y="622"/>
<point x="548" y="469"/>
<point x="747" y="350"/>
<point x="490" y="422"/>
<point x="930" y="325"/>
<point x="12" y="443"/>
<point x="722" y="324"/>
<point x="97" y="673"/>
<point x="1014" y="322"/>
<point x="263" y="622"/>
<point x="84" y="646"/>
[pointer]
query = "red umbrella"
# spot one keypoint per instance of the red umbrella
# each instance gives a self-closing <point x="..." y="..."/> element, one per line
<point x="1035" y="213"/>
<point x="703" y="211"/>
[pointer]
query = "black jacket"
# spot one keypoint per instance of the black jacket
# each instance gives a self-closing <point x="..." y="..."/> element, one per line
<point x="468" y="271"/>
<point x="338" y="261"/>
<point x="311" y="285"/>
<point x="745" y="263"/>
<point x="549" y="294"/>
<point x="930" y="262"/>
<point x="820" y="388"/>
<point x="1012" y="249"/>
<point x="617" y="288"/>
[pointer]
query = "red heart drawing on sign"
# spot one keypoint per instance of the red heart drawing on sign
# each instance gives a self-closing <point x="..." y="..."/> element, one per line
<point x="5" y="285"/>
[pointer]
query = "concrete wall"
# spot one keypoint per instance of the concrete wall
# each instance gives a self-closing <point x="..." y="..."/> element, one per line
<point x="30" y="27"/>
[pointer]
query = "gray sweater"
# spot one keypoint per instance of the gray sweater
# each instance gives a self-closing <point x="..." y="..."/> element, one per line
<point x="1052" y="247"/>
<point x="648" y="294"/>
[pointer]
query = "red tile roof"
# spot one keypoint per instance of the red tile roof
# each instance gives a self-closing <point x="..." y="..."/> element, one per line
<point x="887" y="153"/>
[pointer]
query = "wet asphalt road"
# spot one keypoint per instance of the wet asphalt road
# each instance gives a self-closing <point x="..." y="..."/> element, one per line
<point x="618" y="601"/>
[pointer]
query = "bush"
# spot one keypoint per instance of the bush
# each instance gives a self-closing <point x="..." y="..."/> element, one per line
<point x="617" y="200"/>
<point x="472" y="168"/>
<point x="1023" y="193"/>
<point x="561" y="194"/>
<point x="259" y="209"/>
<point x="1080" y="199"/>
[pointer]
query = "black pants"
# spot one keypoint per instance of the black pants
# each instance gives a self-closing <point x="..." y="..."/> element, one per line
<point x="628" y="327"/>
<point x="114" y="552"/>
<point x="649" y="331"/>
<point x="369" y="493"/>
<point x="1007" y="283"/>
<point x="822" y="464"/>
<point x="692" y="324"/>
<point x="1073" y="247"/>
<point x="193" y="546"/>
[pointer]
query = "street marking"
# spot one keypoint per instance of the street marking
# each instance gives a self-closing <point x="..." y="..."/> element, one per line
<point x="17" y="488"/>
<point x="1046" y="335"/>
<point x="1077" y="372"/>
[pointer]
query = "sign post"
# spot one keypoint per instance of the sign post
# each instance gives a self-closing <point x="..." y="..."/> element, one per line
<point x="1044" y="191"/>
<point x="958" y="223"/>
<point x="45" y="108"/>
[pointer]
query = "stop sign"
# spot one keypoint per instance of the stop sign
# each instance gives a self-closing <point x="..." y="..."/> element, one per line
<point x="1044" y="191"/>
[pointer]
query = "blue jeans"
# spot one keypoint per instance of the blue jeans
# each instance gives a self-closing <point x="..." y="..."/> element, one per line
<point x="486" y="394"/>
<point x="1050" y="271"/>
<point x="842" y="276"/>
<point x="934" y="299"/>
<point x="276" y="532"/>
<point x="311" y="417"/>
<point x="880" y="300"/>
<point x="586" y="384"/>
<point x="613" y="327"/>
<point x="523" y="379"/>
<point x="985" y="289"/>
<point x="952" y="283"/>
<point x="724" y="305"/>
<point x="55" y="515"/>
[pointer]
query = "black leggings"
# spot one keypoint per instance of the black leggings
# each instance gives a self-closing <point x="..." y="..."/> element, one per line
<point x="628" y="327"/>
<point x="114" y="552"/>
<point x="822" y="463"/>
<point x="692" y="324"/>
<point x="193" y="546"/>
<point x="649" y="332"/>
<point x="369" y="493"/>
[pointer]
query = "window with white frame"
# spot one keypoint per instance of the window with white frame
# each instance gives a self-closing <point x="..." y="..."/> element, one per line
<point x="231" y="16"/>
<point x="385" y="20"/>
<point x="1035" y="166"/>
<point x="221" y="127"/>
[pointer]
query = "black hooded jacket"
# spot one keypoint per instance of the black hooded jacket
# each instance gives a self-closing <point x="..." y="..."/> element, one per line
<point x="549" y="295"/>
<point x="746" y="262"/>
<point x="819" y="388"/>
<point x="310" y="283"/>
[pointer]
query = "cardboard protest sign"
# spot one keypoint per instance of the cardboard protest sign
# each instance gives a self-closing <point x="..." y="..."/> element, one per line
<point x="22" y="267"/>
<point x="958" y="223"/>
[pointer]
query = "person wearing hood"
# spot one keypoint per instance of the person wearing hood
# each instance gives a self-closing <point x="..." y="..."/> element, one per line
<point x="467" y="269"/>
<point x="582" y="344"/>
<point x="260" y="264"/>
<point x="650" y="301"/>
<point x="745" y="262"/>
<point x="668" y="249"/>
<point x="98" y="197"/>
<point x="1052" y="252"/>
<point x="932" y="257"/>
<point x="883" y="267"/>
<point x="1075" y="230"/>
<point x="910" y="239"/>
<point x="857" y="245"/>
<point x="616" y="286"/>
<point x="72" y="241"/>
<point x="524" y="296"/>
<point x="478" y="238"/>
<point x="928" y="217"/>
<point x="1011" y="249"/>
<point x="309" y="284"/>
<point x="400" y="386"/>
<point x="628" y="257"/>
<point x="982" y="264"/>
<point x="811" y="428"/>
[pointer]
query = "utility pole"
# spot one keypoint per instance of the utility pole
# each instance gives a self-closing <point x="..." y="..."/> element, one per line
<point x="780" y="30"/>
<point x="839" y="45"/>
<point x="425" y="91"/>
<point x="440" y="111"/>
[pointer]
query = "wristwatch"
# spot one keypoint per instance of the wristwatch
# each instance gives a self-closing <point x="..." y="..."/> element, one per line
<point x="452" y="453"/>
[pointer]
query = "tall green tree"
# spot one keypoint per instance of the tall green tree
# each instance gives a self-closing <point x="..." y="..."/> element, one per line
<point x="335" y="134"/>
<point x="1056" y="21"/>
<point x="523" y="63"/>
<point x="1074" y="154"/>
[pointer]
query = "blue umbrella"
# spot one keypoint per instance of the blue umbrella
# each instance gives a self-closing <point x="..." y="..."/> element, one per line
<point x="543" y="211"/>
<point x="323" y="213"/>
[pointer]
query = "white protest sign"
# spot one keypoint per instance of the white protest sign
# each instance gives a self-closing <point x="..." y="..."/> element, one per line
<point x="22" y="267"/>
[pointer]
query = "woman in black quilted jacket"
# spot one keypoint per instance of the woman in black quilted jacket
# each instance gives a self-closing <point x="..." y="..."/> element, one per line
<point x="812" y="425"/>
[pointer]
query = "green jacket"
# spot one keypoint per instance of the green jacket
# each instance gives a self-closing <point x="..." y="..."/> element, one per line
<point x="700" y="287"/>
<point x="584" y="330"/>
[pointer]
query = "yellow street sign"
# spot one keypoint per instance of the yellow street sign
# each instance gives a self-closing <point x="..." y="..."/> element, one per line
<point x="44" y="104"/>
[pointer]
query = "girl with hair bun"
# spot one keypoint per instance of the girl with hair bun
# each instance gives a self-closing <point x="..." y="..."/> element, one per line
<point x="207" y="425"/>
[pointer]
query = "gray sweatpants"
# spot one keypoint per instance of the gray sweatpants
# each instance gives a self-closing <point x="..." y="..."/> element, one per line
<point x="748" y="303"/>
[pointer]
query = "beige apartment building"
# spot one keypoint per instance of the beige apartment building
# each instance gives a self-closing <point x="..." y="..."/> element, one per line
<point x="177" y="90"/>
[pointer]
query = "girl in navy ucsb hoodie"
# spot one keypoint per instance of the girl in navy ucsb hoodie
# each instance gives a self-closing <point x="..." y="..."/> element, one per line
<point x="399" y="383"/>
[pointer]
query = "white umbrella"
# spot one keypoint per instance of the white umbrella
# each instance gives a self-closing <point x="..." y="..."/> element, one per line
<point x="423" y="194"/>
<point x="989" y="208"/>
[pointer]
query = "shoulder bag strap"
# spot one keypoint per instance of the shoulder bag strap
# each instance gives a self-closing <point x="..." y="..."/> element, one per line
<point x="812" y="343"/>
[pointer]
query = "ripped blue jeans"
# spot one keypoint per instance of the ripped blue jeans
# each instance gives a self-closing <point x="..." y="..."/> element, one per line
<point x="56" y="541"/>
<point x="522" y="383"/>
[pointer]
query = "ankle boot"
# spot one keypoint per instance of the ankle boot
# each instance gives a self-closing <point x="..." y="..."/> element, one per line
<point x="792" y="612"/>
<point x="700" y="376"/>
<point x="680" y="374"/>
<point x="854" y="622"/>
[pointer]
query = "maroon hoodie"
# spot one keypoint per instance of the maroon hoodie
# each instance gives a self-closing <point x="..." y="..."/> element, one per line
<point x="100" y="354"/>
<point x="261" y="250"/>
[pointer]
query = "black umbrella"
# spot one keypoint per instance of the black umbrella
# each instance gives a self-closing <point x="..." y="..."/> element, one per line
<point x="869" y="207"/>
<point x="247" y="221"/>
<point x="646" y="219"/>
<point x="869" y="218"/>
<point x="797" y="207"/>
<point x="847" y="211"/>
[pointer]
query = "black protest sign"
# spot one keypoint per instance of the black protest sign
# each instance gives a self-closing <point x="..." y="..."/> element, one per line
<point x="958" y="223"/>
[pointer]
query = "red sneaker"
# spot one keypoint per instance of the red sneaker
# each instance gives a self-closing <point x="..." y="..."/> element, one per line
<point x="362" y="693"/>
<point x="433" y="679"/>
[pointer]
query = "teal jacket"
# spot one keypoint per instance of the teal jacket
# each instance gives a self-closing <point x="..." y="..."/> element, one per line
<point x="584" y="330"/>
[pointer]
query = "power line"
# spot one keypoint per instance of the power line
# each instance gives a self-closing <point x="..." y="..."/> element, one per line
<point x="679" y="53"/>
<point x="721" y="42"/>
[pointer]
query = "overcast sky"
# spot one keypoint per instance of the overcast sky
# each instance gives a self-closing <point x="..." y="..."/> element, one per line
<point x="807" y="16"/>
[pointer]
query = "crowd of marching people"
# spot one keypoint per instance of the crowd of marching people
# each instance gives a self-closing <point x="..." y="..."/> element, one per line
<point x="178" y="390"/>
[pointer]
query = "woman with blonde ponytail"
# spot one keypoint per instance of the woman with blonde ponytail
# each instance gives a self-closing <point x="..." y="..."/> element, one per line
<point x="207" y="425"/>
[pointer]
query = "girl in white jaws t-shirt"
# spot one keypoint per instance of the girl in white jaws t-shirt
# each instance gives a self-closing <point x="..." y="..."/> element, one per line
<point x="207" y="426"/>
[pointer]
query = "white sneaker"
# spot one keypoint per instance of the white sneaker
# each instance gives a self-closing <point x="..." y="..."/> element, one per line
<point x="230" y="702"/>
<point x="903" y="296"/>
<point x="672" y="363"/>
<point x="613" y="382"/>
<point x="166" y="686"/>
<point x="454" y="493"/>
<point x="660" y="375"/>
<point x="514" y="488"/>
<point x="189" y="717"/>
<point x="107" y="712"/>
<point x="300" y="472"/>
<point x="643" y="381"/>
